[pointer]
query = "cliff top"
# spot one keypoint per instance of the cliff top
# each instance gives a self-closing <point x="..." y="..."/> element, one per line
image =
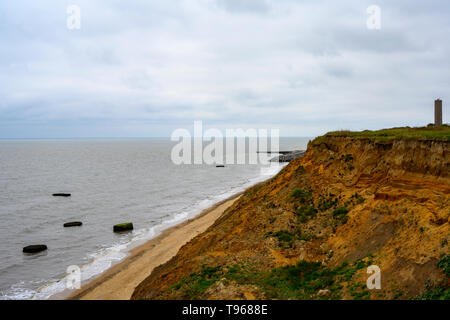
<point x="441" y="133"/>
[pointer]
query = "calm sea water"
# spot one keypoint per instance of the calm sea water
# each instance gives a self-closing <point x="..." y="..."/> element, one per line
<point x="111" y="181"/>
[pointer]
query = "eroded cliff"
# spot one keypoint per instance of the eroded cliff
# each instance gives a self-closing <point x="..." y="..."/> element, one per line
<point x="311" y="231"/>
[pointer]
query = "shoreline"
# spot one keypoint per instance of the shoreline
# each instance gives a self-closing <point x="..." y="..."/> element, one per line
<point x="119" y="281"/>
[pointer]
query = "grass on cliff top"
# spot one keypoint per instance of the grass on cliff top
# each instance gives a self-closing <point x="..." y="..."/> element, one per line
<point x="441" y="133"/>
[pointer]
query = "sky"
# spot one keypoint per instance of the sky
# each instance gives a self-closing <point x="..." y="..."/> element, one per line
<point x="143" y="68"/>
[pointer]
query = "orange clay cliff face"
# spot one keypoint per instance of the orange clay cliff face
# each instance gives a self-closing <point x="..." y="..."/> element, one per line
<point x="312" y="231"/>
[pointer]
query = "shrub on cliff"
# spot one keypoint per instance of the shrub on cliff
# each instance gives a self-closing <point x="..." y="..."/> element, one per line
<point x="444" y="264"/>
<point x="341" y="214"/>
<point x="301" y="195"/>
<point x="304" y="212"/>
<point x="285" y="238"/>
<point x="327" y="202"/>
<point x="340" y="211"/>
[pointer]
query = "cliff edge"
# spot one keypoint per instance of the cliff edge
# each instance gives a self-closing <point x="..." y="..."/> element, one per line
<point x="353" y="200"/>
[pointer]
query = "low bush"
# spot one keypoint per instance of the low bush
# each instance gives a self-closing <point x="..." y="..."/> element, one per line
<point x="301" y="195"/>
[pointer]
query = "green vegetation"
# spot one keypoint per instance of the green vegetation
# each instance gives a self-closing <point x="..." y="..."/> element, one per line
<point x="301" y="195"/>
<point x="305" y="279"/>
<point x="305" y="236"/>
<point x="439" y="291"/>
<point x="428" y="133"/>
<point x="359" y="199"/>
<point x="358" y="292"/>
<point x="194" y="286"/>
<point x="126" y="224"/>
<point x="340" y="214"/>
<point x="347" y="157"/>
<point x="444" y="264"/>
<point x="300" y="281"/>
<point x="287" y="239"/>
<point x="327" y="202"/>
<point x="307" y="209"/>
<point x="304" y="212"/>
<point x="435" y="293"/>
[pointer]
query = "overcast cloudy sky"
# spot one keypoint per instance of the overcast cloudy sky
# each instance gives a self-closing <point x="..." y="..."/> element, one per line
<point x="144" y="68"/>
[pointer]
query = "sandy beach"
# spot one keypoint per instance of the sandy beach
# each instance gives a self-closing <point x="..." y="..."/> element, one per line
<point x="118" y="282"/>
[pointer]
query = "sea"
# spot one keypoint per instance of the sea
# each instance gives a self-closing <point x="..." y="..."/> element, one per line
<point x="111" y="181"/>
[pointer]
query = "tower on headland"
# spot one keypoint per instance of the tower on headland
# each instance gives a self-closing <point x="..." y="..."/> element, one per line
<point x="438" y="112"/>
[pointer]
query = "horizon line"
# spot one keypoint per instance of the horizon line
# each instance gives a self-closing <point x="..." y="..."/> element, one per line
<point x="88" y="138"/>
